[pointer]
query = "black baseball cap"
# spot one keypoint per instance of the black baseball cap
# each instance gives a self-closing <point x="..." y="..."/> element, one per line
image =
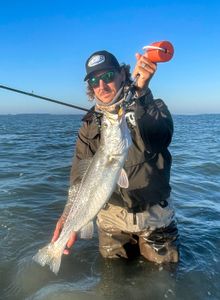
<point x="100" y="60"/>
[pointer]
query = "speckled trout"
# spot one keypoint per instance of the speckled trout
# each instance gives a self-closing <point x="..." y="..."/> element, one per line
<point x="98" y="183"/>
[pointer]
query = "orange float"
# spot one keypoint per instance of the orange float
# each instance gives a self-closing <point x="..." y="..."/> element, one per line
<point x="159" y="51"/>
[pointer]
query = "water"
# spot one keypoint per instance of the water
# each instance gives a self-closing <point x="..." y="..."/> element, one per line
<point x="35" y="159"/>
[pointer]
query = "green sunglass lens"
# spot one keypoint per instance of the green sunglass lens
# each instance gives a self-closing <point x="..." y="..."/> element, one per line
<point x="107" y="78"/>
<point x="94" y="81"/>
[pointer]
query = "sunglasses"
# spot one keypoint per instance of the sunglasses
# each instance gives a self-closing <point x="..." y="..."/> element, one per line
<point x="106" y="77"/>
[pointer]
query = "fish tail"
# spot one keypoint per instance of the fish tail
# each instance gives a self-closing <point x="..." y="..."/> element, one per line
<point x="49" y="255"/>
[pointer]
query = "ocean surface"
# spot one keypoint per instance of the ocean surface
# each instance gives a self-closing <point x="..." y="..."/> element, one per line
<point x="35" y="158"/>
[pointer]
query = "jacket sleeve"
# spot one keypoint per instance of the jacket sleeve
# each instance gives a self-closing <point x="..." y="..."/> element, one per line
<point x="155" y="123"/>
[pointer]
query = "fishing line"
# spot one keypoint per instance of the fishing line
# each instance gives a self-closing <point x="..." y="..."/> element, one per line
<point x="43" y="98"/>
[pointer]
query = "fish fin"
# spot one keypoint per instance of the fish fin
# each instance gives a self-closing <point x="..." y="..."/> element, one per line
<point x="83" y="166"/>
<point x="49" y="255"/>
<point x="123" y="179"/>
<point x="87" y="231"/>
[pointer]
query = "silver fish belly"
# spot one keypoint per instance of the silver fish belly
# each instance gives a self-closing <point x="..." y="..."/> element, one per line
<point x="97" y="185"/>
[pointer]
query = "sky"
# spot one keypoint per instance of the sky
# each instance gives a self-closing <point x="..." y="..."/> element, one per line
<point x="44" y="46"/>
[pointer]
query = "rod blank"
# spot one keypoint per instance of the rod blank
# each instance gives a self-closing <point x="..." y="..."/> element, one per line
<point x="43" y="98"/>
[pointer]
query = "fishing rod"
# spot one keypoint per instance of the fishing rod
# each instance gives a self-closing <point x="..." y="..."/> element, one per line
<point x="43" y="98"/>
<point x="157" y="52"/>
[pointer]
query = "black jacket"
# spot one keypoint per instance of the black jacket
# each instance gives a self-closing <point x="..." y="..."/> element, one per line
<point x="149" y="161"/>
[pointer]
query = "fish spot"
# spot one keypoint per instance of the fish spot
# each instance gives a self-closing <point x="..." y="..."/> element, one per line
<point x="111" y="160"/>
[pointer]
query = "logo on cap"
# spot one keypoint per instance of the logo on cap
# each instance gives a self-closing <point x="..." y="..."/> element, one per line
<point x="96" y="60"/>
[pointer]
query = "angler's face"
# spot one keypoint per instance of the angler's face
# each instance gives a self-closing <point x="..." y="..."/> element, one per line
<point x="106" y="84"/>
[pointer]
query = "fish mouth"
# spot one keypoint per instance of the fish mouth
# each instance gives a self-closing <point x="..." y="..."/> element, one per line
<point x="114" y="117"/>
<point x="111" y="116"/>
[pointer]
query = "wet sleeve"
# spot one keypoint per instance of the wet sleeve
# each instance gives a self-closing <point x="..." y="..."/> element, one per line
<point x="155" y="123"/>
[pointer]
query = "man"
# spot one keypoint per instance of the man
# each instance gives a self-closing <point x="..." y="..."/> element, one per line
<point x="139" y="219"/>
